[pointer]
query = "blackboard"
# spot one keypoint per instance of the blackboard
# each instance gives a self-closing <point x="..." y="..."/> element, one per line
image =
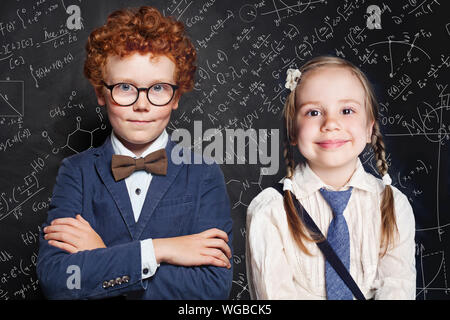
<point x="48" y="110"/>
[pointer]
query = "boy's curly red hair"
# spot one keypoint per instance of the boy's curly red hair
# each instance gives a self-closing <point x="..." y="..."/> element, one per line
<point x="143" y="30"/>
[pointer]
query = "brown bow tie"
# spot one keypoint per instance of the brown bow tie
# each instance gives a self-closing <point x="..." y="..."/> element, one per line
<point x="123" y="166"/>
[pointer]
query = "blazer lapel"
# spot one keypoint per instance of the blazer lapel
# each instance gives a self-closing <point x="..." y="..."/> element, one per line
<point x="118" y="189"/>
<point x="157" y="190"/>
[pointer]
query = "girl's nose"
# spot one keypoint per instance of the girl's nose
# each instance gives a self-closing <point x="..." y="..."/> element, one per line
<point x="330" y="123"/>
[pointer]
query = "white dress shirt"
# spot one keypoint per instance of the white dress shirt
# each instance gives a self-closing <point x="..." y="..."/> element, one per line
<point x="137" y="184"/>
<point x="278" y="269"/>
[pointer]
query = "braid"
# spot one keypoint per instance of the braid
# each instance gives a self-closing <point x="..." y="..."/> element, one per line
<point x="388" y="221"/>
<point x="288" y="159"/>
<point x="379" y="149"/>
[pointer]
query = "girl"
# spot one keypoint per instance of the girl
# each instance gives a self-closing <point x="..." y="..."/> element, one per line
<point x="330" y="115"/>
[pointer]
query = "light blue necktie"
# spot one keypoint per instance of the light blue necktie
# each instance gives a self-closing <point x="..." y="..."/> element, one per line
<point x="339" y="238"/>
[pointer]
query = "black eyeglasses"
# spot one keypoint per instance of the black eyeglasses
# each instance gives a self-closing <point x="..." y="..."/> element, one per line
<point x="126" y="94"/>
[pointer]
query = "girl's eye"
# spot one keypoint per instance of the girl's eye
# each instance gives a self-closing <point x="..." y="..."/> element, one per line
<point x="313" y="113"/>
<point x="348" y="111"/>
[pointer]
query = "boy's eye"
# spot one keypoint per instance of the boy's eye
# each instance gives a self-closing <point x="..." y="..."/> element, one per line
<point x="159" y="88"/>
<point x="125" y="87"/>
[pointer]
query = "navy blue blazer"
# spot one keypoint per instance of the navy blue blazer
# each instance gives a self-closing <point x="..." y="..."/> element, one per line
<point x="190" y="199"/>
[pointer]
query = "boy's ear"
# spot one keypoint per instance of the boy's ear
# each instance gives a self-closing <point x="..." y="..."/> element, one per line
<point x="100" y="96"/>
<point x="175" y="102"/>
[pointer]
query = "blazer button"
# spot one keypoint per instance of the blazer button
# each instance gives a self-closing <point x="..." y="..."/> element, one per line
<point x="125" y="279"/>
<point x="105" y="284"/>
<point x="111" y="283"/>
<point x="118" y="280"/>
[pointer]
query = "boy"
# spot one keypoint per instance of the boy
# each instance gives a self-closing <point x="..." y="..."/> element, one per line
<point x="124" y="215"/>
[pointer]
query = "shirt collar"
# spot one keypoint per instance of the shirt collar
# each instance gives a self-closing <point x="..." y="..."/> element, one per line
<point x="306" y="182"/>
<point x="158" y="143"/>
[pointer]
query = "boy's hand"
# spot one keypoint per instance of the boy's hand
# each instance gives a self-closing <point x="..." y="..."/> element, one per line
<point x="72" y="235"/>
<point x="205" y="248"/>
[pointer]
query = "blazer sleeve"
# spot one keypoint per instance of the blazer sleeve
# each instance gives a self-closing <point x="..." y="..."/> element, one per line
<point x="203" y="282"/>
<point x="101" y="272"/>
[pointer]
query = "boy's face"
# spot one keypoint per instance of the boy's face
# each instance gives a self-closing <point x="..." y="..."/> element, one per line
<point x="139" y="124"/>
<point x="333" y="125"/>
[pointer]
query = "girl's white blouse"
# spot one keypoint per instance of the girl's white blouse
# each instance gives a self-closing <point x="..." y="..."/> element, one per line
<point x="278" y="269"/>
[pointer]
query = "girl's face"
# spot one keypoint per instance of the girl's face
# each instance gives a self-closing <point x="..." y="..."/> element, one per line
<point x="332" y="121"/>
<point x="138" y="125"/>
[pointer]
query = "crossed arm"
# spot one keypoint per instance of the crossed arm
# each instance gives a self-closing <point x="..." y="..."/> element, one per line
<point x="205" y="248"/>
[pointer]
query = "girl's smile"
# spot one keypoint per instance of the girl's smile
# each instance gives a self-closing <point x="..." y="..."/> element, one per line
<point x="332" y="144"/>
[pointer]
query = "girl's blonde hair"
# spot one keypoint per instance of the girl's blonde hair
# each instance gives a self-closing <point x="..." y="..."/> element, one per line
<point x="296" y="225"/>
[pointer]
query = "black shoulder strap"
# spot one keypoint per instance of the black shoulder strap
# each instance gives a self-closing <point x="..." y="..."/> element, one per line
<point x="325" y="247"/>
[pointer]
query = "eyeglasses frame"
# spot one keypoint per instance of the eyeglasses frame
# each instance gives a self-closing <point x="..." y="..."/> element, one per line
<point x="110" y="87"/>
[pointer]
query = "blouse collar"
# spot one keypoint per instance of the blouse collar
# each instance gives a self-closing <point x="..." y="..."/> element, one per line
<point x="306" y="182"/>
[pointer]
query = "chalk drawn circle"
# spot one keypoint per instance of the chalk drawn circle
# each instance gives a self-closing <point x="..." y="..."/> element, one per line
<point x="248" y="13"/>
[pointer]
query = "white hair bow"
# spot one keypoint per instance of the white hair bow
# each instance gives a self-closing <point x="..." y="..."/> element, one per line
<point x="387" y="180"/>
<point x="293" y="75"/>
<point x="287" y="185"/>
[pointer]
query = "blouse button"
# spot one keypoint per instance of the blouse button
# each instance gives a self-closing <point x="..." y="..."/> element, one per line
<point x="138" y="191"/>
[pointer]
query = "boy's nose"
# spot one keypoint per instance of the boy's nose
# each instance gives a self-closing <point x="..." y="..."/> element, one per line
<point x="142" y="103"/>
